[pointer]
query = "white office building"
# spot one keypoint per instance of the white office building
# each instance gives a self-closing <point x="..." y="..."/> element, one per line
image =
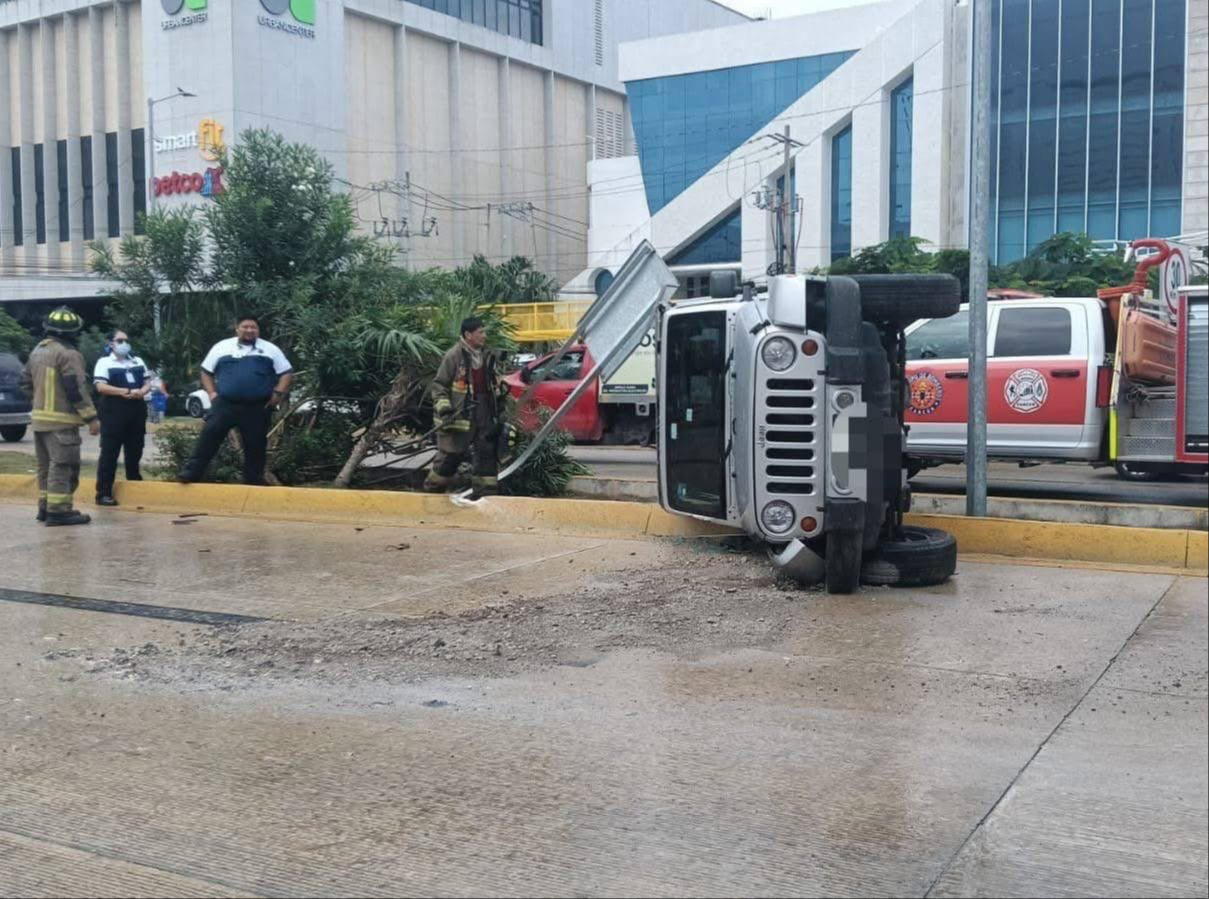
<point x="460" y="126"/>
<point x="1098" y="119"/>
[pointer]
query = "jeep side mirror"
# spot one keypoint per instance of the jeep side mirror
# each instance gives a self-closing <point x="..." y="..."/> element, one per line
<point x="723" y="285"/>
<point x="527" y="375"/>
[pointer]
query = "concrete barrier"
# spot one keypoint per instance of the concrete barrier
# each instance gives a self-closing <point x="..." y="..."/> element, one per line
<point x="1183" y="550"/>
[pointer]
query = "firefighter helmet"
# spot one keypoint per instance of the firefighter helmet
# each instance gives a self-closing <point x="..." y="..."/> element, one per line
<point x="63" y="321"/>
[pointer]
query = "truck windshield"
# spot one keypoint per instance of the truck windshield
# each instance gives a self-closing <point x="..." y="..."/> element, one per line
<point x="695" y="393"/>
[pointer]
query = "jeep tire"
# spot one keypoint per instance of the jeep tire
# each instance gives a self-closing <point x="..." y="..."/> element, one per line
<point x="920" y="557"/>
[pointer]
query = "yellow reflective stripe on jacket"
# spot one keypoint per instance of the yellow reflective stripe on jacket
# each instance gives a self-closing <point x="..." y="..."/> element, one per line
<point x="61" y="418"/>
<point x="48" y="388"/>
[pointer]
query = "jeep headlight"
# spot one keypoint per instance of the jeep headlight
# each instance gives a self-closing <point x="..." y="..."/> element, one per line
<point x="779" y="353"/>
<point x="778" y="517"/>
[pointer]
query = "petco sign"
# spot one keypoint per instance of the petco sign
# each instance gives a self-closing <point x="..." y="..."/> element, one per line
<point x="208" y="184"/>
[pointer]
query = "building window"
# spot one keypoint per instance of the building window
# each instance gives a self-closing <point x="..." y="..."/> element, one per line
<point x="86" y="209"/>
<point x="1072" y="116"/>
<point x="719" y="244"/>
<point x="687" y="124"/>
<point x="841" y="194"/>
<point x="64" y="204"/>
<point x="111" y="181"/>
<point x="18" y="218"/>
<point x="902" y="103"/>
<point x="604" y="280"/>
<point x="1167" y="126"/>
<point x="518" y="18"/>
<point x="138" y="165"/>
<point x="1087" y="110"/>
<point x="696" y="287"/>
<point x="39" y="194"/>
<point x="1042" y="124"/>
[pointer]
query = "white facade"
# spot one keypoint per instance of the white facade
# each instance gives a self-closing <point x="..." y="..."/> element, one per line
<point x="924" y="41"/>
<point x="492" y="132"/>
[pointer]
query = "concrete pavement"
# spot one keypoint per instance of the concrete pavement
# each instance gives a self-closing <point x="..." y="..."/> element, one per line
<point x="436" y="713"/>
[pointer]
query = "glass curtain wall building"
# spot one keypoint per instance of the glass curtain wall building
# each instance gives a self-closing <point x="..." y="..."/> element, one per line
<point x="517" y="18"/>
<point x="684" y="125"/>
<point x="1087" y="120"/>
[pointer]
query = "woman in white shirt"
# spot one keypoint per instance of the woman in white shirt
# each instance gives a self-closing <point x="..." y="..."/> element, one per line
<point x="121" y="380"/>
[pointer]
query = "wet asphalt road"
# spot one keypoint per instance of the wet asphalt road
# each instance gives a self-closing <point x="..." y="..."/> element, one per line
<point x="663" y="719"/>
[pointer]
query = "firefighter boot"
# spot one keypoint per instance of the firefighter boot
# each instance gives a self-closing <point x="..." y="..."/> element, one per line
<point x="66" y="519"/>
<point x="41" y="510"/>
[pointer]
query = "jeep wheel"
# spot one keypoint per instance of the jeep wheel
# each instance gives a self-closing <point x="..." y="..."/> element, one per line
<point x="843" y="562"/>
<point x="920" y="557"/>
<point x="902" y="299"/>
<point x="12" y="433"/>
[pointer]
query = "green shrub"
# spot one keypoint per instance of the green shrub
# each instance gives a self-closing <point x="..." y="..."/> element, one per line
<point x="175" y="443"/>
<point x="548" y="472"/>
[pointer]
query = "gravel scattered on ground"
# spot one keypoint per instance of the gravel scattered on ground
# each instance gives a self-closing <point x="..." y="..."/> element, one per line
<point x="707" y="599"/>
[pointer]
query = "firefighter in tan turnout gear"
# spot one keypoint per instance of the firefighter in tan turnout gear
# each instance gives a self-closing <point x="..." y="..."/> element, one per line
<point x="468" y="407"/>
<point x="55" y="379"/>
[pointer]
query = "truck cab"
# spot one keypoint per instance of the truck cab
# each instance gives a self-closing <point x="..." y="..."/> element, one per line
<point x="1048" y="378"/>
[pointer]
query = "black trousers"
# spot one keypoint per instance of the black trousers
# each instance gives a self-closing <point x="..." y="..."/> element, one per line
<point x="123" y="431"/>
<point x="252" y="420"/>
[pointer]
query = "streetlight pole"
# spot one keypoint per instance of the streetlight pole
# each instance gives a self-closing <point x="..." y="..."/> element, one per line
<point x="150" y="186"/>
<point x="980" y="186"/>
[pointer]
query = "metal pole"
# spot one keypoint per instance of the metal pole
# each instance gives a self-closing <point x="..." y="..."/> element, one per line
<point x="781" y="212"/>
<point x="980" y="183"/>
<point x="793" y="214"/>
<point x="150" y="188"/>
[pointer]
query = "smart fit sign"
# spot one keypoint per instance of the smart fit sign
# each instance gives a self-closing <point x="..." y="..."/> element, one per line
<point x="195" y="13"/>
<point x="290" y="16"/>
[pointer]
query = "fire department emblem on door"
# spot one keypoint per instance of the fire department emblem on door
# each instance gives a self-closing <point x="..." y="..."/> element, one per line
<point x="927" y="393"/>
<point x="1026" y="390"/>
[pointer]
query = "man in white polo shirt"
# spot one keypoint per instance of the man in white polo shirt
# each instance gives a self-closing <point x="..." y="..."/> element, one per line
<point x="246" y="378"/>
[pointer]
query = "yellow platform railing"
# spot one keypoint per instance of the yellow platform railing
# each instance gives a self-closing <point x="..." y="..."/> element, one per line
<point x="545" y="322"/>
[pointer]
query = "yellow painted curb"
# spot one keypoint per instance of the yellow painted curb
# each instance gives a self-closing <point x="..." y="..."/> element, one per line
<point x="1177" y="550"/>
<point x="1070" y="542"/>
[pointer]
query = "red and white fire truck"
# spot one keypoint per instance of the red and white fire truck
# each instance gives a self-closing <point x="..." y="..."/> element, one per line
<point x="1118" y="379"/>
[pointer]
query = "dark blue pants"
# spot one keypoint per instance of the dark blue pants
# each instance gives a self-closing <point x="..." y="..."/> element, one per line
<point x="252" y="420"/>
<point x="123" y="431"/>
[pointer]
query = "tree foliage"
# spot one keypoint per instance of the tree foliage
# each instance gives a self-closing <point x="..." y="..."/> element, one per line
<point x="1065" y="265"/>
<point x="14" y="338"/>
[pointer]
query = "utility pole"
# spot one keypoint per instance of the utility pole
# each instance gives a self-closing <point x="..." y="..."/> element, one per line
<point x="791" y="200"/>
<point x="150" y="155"/>
<point x="980" y="186"/>
<point x="785" y="192"/>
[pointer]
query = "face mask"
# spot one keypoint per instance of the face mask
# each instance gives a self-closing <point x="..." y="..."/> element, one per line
<point x="121" y="349"/>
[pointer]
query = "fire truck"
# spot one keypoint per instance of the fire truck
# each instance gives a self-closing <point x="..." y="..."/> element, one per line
<point x="1118" y="379"/>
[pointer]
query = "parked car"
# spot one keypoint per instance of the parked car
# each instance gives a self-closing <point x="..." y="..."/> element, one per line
<point x="197" y="404"/>
<point x="15" y="408"/>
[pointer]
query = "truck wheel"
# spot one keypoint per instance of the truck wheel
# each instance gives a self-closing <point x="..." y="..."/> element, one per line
<point x="12" y="433"/>
<point x="1127" y="471"/>
<point x="920" y="557"/>
<point x="843" y="562"/>
<point x="902" y="299"/>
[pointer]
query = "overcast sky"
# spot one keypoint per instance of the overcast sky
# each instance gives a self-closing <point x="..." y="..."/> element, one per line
<point x="780" y="9"/>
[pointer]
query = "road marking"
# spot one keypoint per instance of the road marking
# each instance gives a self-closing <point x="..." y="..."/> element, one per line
<point x="114" y="607"/>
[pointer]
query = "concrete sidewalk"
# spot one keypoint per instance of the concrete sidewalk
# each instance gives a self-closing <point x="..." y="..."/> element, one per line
<point x="436" y="712"/>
